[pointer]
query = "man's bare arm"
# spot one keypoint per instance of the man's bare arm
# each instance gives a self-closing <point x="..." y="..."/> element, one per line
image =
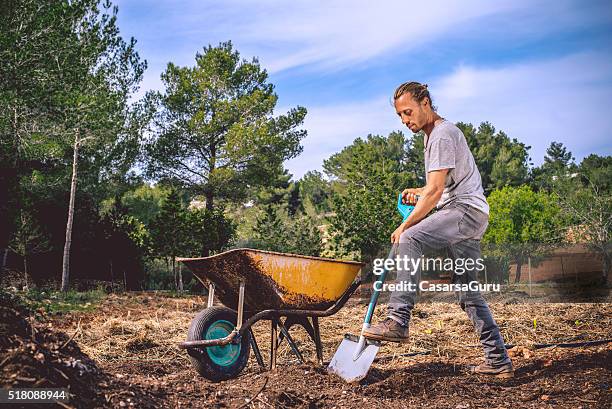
<point x="429" y="197"/>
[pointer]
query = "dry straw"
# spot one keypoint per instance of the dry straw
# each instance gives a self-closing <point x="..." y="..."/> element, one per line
<point x="148" y="327"/>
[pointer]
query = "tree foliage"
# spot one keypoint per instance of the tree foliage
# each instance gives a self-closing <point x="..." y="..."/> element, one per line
<point x="65" y="79"/>
<point x="315" y="192"/>
<point x="144" y="201"/>
<point x="368" y="175"/>
<point x="169" y="228"/>
<point x="29" y="239"/>
<point x="215" y="132"/>
<point x="210" y="231"/>
<point x="558" y="168"/>
<point x="501" y="161"/>
<point x="596" y="170"/>
<point x="523" y="223"/>
<point x="127" y="242"/>
<point x="587" y="204"/>
<point x="276" y="230"/>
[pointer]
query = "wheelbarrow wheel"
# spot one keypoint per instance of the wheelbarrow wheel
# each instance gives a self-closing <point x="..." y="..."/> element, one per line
<point x="218" y="363"/>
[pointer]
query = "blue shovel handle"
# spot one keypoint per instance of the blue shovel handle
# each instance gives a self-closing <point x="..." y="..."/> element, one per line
<point x="376" y="293"/>
<point x="405" y="211"/>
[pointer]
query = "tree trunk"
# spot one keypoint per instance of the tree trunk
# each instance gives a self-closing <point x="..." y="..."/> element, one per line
<point x="167" y="265"/>
<point x="606" y="264"/>
<point x="4" y="259"/>
<point x="25" y="269"/>
<point x="517" y="277"/>
<point x="66" y="261"/>
<point x="180" y="278"/>
<point x="209" y="208"/>
<point x="174" y="273"/>
<point x="205" y="252"/>
<point x="210" y="200"/>
<point x="209" y="193"/>
<point x="112" y="276"/>
<point x="9" y="186"/>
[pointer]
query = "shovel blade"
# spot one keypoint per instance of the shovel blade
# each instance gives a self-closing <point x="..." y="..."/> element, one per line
<point x="349" y="369"/>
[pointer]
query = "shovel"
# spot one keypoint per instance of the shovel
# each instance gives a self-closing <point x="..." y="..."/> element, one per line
<point x="354" y="356"/>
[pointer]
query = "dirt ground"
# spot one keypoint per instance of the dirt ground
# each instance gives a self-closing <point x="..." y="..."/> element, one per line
<point x="133" y="339"/>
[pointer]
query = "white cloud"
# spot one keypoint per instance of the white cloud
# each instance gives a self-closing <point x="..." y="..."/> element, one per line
<point x="325" y="34"/>
<point x="538" y="102"/>
<point x="336" y="34"/>
<point x="332" y="127"/>
<point x="333" y="33"/>
<point x="351" y="32"/>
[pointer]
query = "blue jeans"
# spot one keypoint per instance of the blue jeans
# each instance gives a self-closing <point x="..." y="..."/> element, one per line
<point x="458" y="227"/>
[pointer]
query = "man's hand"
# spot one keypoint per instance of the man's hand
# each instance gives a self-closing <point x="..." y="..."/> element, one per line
<point x="395" y="236"/>
<point x="409" y="196"/>
<point x="429" y="196"/>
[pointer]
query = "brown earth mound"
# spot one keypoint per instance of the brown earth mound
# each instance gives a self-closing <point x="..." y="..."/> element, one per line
<point x="34" y="355"/>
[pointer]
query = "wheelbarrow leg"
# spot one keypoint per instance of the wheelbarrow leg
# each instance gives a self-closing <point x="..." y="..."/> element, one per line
<point x="317" y="339"/>
<point x="256" y="349"/>
<point x="239" y="324"/>
<point x="211" y="294"/>
<point x="312" y="328"/>
<point x="303" y="321"/>
<point x="273" y="344"/>
<point x="294" y="348"/>
<point x="240" y="306"/>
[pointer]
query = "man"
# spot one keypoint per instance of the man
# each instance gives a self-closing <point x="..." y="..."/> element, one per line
<point x="454" y="187"/>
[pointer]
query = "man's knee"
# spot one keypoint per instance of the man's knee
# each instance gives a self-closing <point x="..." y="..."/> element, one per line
<point x="409" y="246"/>
<point x="410" y="236"/>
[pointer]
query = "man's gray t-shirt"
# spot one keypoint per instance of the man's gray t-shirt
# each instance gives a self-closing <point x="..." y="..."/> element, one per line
<point x="446" y="148"/>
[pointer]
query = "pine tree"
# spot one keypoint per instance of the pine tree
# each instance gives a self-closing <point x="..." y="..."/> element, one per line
<point x="170" y="229"/>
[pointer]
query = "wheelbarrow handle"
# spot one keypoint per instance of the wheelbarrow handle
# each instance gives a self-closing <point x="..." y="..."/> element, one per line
<point x="203" y="343"/>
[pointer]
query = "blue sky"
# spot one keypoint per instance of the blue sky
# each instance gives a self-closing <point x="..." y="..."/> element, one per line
<point x="539" y="71"/>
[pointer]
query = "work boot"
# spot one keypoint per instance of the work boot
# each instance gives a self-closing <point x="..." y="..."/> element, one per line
<point x="502" y="371"/>
<point x="388" y="330"/>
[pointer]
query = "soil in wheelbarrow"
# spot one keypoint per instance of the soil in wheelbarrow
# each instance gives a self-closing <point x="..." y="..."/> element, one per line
<point x="261" y="293"/>
<point x="133" y="339"/>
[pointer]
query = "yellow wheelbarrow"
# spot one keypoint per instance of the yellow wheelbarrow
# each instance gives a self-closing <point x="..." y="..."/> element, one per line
<point x="254" y="285"/>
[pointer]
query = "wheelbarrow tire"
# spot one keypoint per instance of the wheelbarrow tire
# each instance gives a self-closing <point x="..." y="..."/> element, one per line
<point x="222" y="362"/>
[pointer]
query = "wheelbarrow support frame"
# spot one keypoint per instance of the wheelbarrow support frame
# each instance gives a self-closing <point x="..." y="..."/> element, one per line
<point x="293" y="316"/>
